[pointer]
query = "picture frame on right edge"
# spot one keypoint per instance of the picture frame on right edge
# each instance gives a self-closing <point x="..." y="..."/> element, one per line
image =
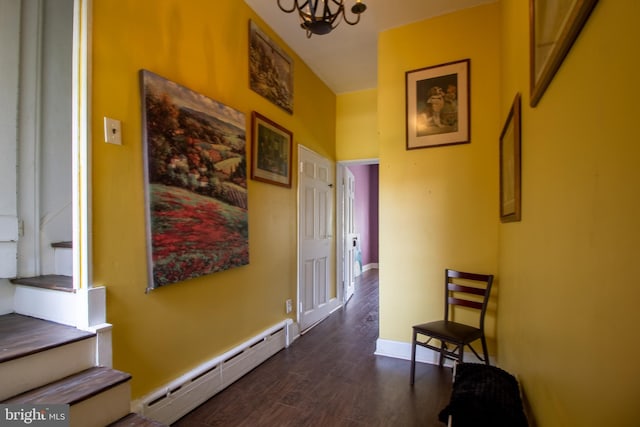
<point x="510" y="186"/>
<point x="554" y="25"/>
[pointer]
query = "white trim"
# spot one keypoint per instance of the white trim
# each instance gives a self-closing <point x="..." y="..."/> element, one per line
<point x="373" y="161"/>
<point x="339" y="186"/>
<point x="177" y="398"/>
<point x="81" y="148"/>
<point x="104" y="349"/>
<point x="402" y="350"/>
<point x="370" y="266"/>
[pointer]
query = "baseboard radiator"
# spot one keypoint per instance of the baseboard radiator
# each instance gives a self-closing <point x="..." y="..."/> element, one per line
<point x="184" y="394"/>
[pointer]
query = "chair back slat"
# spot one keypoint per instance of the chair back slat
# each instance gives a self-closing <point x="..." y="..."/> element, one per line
<point x="466" y="289"/>
<point x="454" y="292"/>
<point x="465" y="303"/>
<point x="470" y="276"/>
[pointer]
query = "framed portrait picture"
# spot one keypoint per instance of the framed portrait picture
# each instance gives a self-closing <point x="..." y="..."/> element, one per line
<point x="554" y="26"/>
<point x="438" y="107"/>
<point x="271" y="150"/>
<point x="270" y="69"/>
<point x="510" y="165"/>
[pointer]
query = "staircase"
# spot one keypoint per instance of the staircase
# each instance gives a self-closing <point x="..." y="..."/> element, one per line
<point x="43" y="362"/>
<point x="51" y="295"/>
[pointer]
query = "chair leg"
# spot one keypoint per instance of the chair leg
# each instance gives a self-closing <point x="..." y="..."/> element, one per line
<point x="413" y="357"/>
<point x="443" y="346"/>
<point x="484" y="349"/>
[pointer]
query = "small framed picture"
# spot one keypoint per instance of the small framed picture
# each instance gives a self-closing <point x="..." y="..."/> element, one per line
<point x="510" y="165"/>
<point x="272" y="147"/>
<point x="438" y="107"/>
<point x="554" y="26"/>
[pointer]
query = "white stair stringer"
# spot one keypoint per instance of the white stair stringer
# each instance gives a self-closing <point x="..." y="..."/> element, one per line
<point x="37" y="369"/>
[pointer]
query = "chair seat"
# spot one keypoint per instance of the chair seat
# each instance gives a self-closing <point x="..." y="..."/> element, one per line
<point x="451" y="331"/>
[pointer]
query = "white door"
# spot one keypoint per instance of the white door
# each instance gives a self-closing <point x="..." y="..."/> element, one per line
<point x="350" y="238"/>
<point x="316" y="295"/>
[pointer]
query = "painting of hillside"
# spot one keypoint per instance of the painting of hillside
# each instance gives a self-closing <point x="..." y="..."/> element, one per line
<point x="196" y="182"/>
<point x="270" y="69"/>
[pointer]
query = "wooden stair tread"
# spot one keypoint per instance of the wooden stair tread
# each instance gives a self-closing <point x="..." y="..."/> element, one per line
<point x="23" y="335"/>
<point x="74" y="388"/>
<point x="136" y="420"/>
<point x="54" y="282"/>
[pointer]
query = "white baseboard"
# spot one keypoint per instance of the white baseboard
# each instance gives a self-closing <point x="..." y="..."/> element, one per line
<point x="402" y="350"/>
<point x="370" y="266"/>
<point x="176" y="399"/>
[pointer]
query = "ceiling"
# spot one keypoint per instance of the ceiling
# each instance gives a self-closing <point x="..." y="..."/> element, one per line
<point x="346" y="59"/>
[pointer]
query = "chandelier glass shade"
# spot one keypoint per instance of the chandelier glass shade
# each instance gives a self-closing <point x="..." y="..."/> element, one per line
<point x="322" y="16"/>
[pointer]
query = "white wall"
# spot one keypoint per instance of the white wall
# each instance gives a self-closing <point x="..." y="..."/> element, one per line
<point x="55" y="190"/>
<point x="9" y="70"/>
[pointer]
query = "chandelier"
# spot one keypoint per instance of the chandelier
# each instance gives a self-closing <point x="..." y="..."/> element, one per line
<point x="316" y="16"/>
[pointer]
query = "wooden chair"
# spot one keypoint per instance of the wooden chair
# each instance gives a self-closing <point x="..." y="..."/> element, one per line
<point x="469" y="290"/>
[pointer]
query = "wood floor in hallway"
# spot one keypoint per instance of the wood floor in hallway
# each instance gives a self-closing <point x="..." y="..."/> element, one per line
<point x="330" y="377"/>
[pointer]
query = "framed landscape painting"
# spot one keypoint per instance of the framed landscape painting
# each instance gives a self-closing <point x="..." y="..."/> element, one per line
<point x="438" y="108"/>
<point x="195" y="182"/>
<point x="271" y="150"/>
<point x="270" y="69"/>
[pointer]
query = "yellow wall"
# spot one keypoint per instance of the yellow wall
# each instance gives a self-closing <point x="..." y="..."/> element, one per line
<point x="357" y="125"/>
<point x="567" y="313"/>
<point x="438" y="206"/>
<point x="201" y="44"/>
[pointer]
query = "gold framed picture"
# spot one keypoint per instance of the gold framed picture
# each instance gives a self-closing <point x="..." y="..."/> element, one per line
<point x="271" y="151"/>
<point x="510" y="165"/>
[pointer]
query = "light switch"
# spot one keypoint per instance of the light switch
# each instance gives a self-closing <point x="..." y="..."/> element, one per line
<point x="112" y="131"/>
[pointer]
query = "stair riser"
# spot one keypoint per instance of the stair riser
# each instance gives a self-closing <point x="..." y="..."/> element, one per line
<point x="102" y="409"/>
<point x="35" y="370"/>
<point x="63" y="260"/>
<point x="59" y="307"/>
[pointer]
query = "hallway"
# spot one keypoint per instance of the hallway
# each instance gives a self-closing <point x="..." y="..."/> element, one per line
<point x="330" y="377"/>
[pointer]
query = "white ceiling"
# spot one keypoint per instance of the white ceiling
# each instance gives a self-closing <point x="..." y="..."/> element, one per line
<point x="346" y="59"/>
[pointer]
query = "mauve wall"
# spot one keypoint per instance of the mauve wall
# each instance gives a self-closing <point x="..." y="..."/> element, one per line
<point x="366" y="206"/>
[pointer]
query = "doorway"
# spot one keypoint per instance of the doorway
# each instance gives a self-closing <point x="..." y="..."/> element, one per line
<point x="356" y="222"/>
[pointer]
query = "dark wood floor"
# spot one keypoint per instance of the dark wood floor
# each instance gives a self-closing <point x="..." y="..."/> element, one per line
<point x="330" y="377"/>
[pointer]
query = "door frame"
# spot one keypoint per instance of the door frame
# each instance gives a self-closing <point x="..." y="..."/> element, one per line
<point x="84" y="308"/>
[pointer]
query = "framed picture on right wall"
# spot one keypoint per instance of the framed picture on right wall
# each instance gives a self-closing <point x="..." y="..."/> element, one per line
<point x="554" y="26"/>
<point x="510" y="165"/>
